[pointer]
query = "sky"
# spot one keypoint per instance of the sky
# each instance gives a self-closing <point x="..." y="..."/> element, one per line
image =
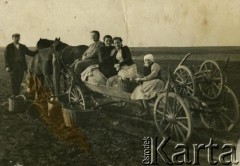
<point x="140" y="23"/>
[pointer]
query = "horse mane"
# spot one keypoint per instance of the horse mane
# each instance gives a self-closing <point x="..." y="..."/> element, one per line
<point x="61" y="46"/>
<point x="44" y="43"/>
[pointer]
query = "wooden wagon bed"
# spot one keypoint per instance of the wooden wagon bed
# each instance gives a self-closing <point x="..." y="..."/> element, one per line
<point x="109" y="91"/>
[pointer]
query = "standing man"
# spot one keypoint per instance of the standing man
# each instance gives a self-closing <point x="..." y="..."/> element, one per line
<point x="15" y="62"/>
<point x="90" y="57"/>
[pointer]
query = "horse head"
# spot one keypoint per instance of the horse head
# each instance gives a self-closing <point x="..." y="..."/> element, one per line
<point x="58" y="45"/>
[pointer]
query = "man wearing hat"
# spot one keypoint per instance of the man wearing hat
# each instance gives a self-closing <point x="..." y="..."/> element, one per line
<point x="15" y="62"/>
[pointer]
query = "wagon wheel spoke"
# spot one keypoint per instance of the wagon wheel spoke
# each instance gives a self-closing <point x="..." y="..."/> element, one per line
<point x="159" y="112"/>
<point x="178" y="81"/>
<point x="189" y="88"/>
<point x="162" y="115"/>
<point x="171" y="130"/>
<point x="163" y="106"/>
<point x="176" y="133"/>
<point x="168" y="125"/>
<point x="227" y="118"/>
<point x="180" y="90"/>
<point x="187" y="79"/>
<point x="178" y="110"/>
<point x="181" y="118"/>
<point x="205" y="66"/>
<point x="214" y="73"/>
<point x="181" y="73"/>
<point x="182" y="125"/>
<point x="216" y="79"/>
<point x="180" y="77"/>
<point x="215" y="85"/>
<point x="181" y="132"/>
<point x="189" y="83"/>
<point x="169" y="108"/>
<point x="223" y="122"/>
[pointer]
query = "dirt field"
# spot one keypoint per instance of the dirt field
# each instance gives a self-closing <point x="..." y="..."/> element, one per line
<point x="113" y="140"/>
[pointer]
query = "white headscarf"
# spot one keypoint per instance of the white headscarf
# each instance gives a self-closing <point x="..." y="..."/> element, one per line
<point x="150" y="57"/>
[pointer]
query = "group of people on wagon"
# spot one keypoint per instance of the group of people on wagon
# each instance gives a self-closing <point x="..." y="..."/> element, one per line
<point x="105" y="62"/>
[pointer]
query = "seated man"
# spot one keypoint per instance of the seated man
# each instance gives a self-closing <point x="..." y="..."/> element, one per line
<point x="151" y="83"/>
<point x="90" y="57"/>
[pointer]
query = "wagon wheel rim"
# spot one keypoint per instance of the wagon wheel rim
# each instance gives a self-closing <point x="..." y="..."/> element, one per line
<point x="76" y="97"/>
<point x="225" y="114"/>
<point x="185" y="80"/>
<point x="212" y="84"/>
<point x="178" y="119"/>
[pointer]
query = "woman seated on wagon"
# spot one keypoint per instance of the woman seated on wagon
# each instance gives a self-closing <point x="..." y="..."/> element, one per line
<point x="151" y="83"/>
<point x="126" y="68"/>
<point x="106" y="63"/>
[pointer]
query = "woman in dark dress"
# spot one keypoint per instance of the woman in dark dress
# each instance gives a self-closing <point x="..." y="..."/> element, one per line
<point x="122" y="57"/>
<point x="106" y="63"/>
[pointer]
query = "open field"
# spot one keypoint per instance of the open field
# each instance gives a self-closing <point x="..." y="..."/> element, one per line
<point x="114" y="140"/>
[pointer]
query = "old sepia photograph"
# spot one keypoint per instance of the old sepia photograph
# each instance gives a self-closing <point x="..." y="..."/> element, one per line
<point x="119" y="82"/>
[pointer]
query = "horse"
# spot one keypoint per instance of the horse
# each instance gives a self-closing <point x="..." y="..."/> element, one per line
<point x="40" y="70"/>
<point x="52" y="56"/>
<point x="68" y="54"/>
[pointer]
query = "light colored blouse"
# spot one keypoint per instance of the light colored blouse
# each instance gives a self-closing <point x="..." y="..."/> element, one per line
<point x="119" y="56"/>
<point x="92" y="51"/>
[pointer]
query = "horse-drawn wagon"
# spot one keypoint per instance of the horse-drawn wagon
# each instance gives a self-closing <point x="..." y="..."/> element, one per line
<point x="172" y="109"/>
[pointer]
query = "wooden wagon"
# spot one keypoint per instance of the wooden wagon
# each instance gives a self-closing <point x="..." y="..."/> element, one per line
<point x="172" y="109"/>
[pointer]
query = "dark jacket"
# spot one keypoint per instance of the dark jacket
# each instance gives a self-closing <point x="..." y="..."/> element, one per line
<point x="12" y="55"/>
<point x="147" y="70"/>
<point x="127" y="57"/>
<point x="106" y="63"/>
<point x="104" y="53"/>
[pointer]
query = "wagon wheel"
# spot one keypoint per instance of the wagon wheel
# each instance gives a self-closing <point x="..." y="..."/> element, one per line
<point x="76" y="97"/>
<point x="185" y="81"/>
<point x="177" y="122"/>
<point x="224" y="114"/>
<point x="211" y="84"/>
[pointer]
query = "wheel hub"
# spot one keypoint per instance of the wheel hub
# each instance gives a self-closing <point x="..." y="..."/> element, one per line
<point x="172" y="119"/>
<point x="183" y="83"/>
<point x="208" y="79"/>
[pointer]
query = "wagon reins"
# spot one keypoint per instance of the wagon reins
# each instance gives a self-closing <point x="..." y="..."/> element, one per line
<point x="59" y="57"/>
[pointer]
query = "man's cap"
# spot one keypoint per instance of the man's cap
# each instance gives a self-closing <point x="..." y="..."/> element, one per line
<point x="16" y="35"/>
